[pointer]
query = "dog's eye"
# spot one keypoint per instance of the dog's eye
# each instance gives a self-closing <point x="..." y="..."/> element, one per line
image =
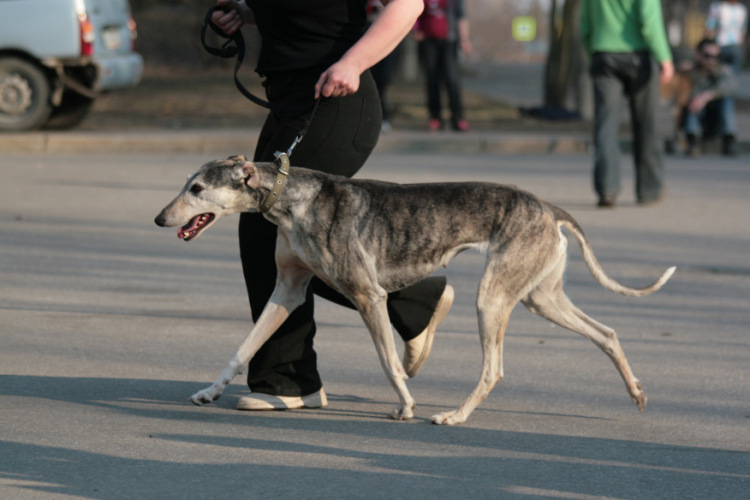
<point x="196" y="189"/>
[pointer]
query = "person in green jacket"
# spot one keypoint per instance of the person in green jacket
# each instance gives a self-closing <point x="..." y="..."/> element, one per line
<point x="630" y="56"/>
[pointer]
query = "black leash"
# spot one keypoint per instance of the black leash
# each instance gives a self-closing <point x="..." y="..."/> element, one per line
<point x="305" y="128"/>
<point x="234" y="46"/>
<point x="282" y="166"/>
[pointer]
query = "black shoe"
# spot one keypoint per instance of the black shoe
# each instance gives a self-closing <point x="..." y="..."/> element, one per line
<point x="606" y="202"/>
<point x="652" y="201"/>
<point x="729" y="145"/>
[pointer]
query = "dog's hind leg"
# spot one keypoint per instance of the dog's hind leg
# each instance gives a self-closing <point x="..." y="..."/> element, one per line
<point x="549" y="300"/>
<point x="493" y="320"/>
<point x="516" y="262"/>
<point x="375" y="315"/>
<point x="495" y="301"/>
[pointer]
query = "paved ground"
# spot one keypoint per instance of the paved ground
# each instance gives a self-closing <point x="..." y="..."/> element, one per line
<point x="109" y="324"/>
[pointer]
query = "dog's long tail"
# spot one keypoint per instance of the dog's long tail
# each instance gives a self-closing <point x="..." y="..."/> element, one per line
<point x="567" y="221"/>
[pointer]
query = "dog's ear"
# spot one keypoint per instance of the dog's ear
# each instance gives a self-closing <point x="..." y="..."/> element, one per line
<point x="250" y="173"/>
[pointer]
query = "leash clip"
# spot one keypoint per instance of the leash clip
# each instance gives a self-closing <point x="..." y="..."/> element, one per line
<point x="282" y="160"/>
<point x="291" y="148"/>
<point x="302" y="132"/>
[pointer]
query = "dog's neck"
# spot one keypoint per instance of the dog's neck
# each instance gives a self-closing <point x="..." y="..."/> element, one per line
<point x="301" y="186"/>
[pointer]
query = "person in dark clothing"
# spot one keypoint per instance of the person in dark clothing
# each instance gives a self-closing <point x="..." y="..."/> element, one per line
<point x="312" y="50"/>
<point x="710" y="109"/>
<point x="443" y="32"/>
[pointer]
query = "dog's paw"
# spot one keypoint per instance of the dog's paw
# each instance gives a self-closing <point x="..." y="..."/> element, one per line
<point x="402" y="413"/>
<point x="638" y="397"/>
<point x="640" y="401"/>
<point x="447" y="418"/>
<point x="206" y="396"/>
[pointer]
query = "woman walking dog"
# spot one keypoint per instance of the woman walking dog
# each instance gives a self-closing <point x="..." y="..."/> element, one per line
<point x="320" y="50"/>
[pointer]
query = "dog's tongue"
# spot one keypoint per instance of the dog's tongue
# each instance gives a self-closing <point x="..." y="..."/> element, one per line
<point x="188" y="228"/>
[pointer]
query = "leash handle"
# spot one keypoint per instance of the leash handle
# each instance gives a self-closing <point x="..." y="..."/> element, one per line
<point x="235" y="46"/>
<point x="228" y="50"/>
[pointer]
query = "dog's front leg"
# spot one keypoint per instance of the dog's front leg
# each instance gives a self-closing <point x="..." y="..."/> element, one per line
<point x="272" y="317"/>
<point x="287" y="296"/>
<point x="375" y="315"/>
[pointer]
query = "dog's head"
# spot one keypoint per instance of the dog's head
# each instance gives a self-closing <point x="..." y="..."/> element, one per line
<point x="218" y="188"/>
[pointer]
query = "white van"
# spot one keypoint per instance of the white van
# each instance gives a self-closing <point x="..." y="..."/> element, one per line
<point x="57" y="56"/>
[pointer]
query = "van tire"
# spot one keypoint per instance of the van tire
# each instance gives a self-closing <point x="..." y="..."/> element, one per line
<point x="24" y="95"/>
<point x="73" y="109"/>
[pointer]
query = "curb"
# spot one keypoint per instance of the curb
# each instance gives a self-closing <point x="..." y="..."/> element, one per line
<point x="159" y="141"/>
<point x="243" y="141"/>
<point x="232" y="141"/>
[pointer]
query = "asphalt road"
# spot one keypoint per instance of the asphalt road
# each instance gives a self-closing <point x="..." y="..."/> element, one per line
<point x="109" y="323"/>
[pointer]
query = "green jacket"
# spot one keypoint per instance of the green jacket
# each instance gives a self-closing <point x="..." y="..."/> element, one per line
<point x="624" y="26"/>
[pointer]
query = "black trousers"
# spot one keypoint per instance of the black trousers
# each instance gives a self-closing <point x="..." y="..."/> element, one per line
<point x="341" y="136"/>
<point x="440" y="59"/>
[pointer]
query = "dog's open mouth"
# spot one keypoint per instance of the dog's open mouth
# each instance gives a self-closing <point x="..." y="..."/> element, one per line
<point x="196" y="225"/>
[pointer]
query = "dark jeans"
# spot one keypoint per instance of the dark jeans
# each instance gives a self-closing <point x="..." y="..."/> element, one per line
<point x="341" y="136"/>
<point x="635" y="76"/>
<point x="440" y="59"/>
<point x="716" y="119"/>
<point x="734" y="56"/>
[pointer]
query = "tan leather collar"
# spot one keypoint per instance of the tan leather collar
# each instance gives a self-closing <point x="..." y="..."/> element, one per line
<point x="282" y="165"/>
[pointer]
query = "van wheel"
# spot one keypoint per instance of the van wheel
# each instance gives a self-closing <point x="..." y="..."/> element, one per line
<point x="73" y="109"/>
<point x="24" y="95"/>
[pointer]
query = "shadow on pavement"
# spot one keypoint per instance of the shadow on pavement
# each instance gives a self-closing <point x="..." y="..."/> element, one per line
<point x="474" y="462"/>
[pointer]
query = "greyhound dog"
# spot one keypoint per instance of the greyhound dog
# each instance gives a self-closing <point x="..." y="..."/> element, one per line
<point x="367" y="238"/>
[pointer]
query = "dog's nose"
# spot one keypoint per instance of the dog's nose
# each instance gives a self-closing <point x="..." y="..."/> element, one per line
<point x="159" y="220"/>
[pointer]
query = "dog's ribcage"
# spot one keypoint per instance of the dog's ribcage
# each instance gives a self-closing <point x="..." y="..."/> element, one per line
<point x="405" y="232"/>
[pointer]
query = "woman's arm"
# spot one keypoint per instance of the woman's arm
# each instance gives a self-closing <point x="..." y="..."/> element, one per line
<point x="463" y="36"/>
<point x="390" y="27"/>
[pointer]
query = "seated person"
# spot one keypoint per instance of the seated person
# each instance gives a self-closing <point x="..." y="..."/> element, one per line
<point x="710" y="109"/>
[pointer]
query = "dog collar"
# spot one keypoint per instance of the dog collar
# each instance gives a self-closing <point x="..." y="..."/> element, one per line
<point x="282" y="166"/>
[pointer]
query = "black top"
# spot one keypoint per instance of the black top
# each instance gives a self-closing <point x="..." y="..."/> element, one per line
<point x="305" y="34"/>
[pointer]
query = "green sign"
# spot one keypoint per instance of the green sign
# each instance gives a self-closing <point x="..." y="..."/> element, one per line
<point x="524" y="29"/>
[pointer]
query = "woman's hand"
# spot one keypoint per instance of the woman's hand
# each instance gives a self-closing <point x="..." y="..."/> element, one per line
<point x="700" y="101"/>
<point x="341" y="79"/>
<point x="390" y="27"/>
<point x="667" y="72"/>
<point x="238" y="14"/>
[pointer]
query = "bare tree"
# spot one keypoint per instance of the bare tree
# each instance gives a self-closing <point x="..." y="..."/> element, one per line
<point x="565" y="59"/>
<point x="566" y="79"/>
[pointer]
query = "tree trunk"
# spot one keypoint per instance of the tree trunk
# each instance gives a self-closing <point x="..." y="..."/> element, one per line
<point x="565" y="58"/>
